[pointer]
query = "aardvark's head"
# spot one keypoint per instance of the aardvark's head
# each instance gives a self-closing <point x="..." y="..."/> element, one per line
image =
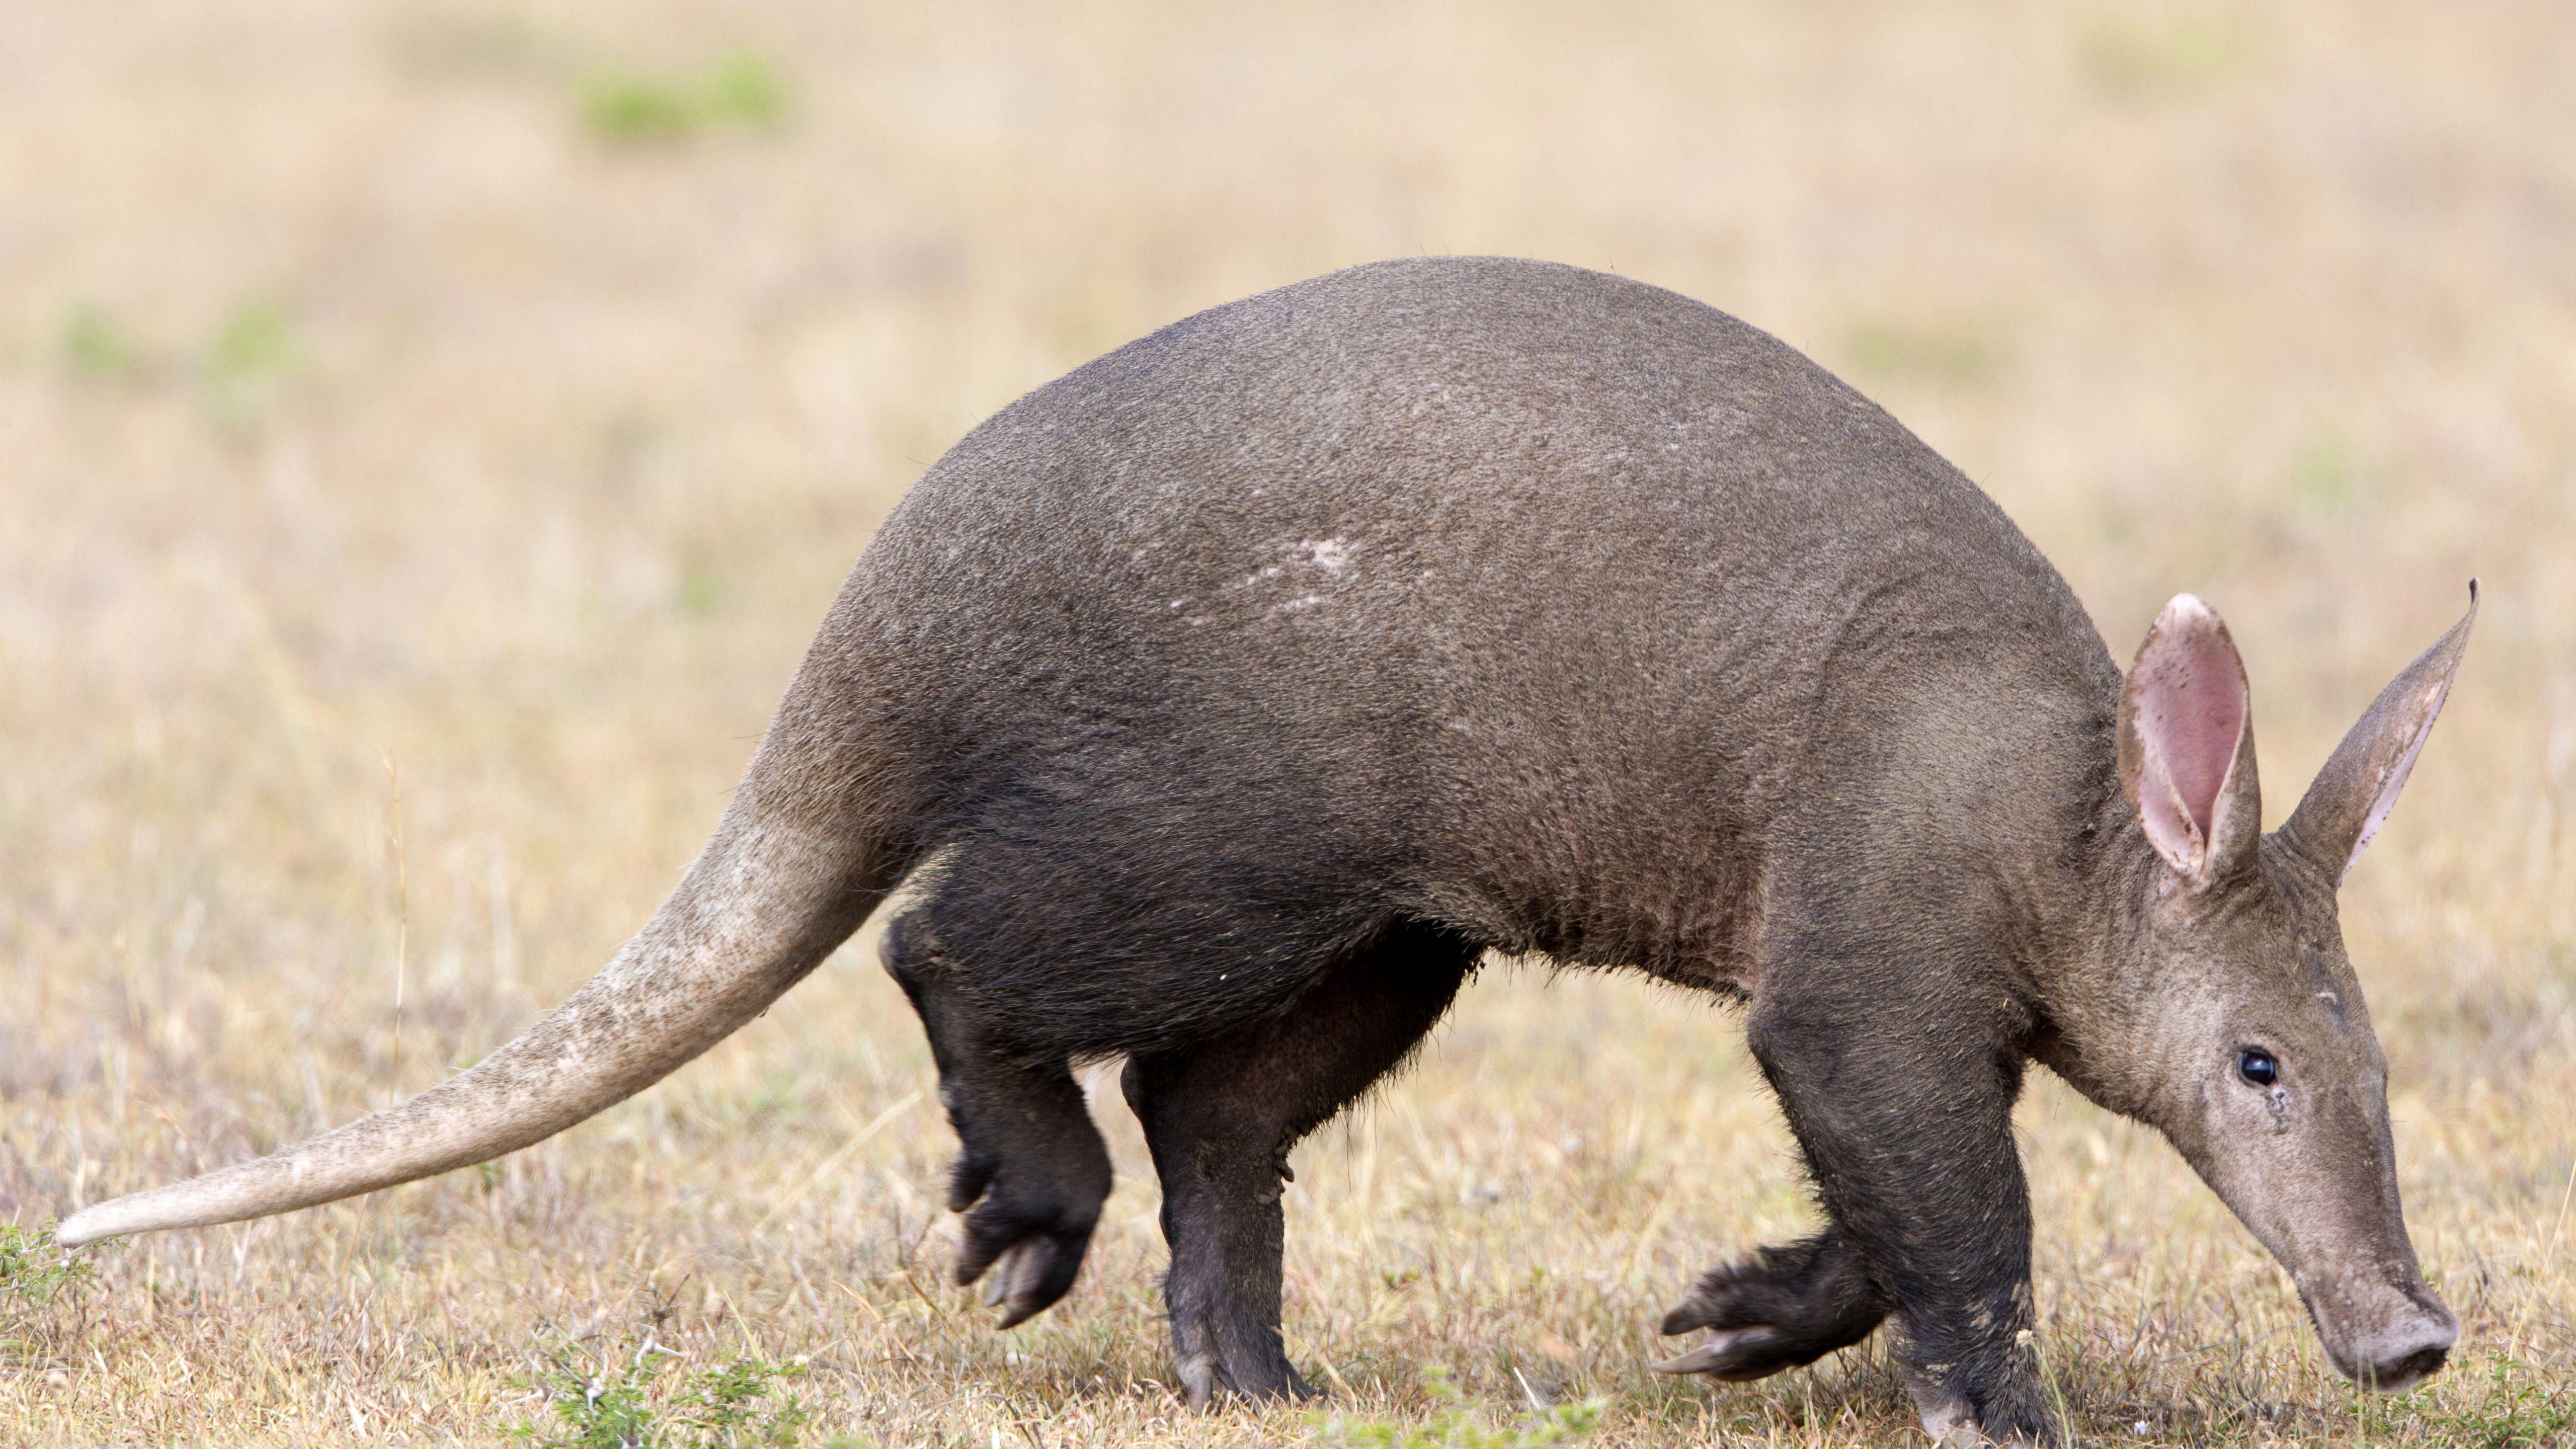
<point x="2243" y="1036"/>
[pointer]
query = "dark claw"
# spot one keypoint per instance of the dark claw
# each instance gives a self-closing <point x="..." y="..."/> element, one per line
<point x="968" y="1178"/>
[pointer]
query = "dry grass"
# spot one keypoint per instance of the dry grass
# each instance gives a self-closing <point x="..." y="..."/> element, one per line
<point x="501" y="392"/>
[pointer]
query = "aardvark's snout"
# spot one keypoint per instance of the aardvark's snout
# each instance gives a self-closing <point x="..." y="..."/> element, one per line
<point x="2395" y="1340"/>
<point x="2405" y="1354"/>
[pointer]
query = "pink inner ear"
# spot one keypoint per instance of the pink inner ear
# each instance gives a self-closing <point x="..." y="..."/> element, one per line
<point x="2188" y="706"/>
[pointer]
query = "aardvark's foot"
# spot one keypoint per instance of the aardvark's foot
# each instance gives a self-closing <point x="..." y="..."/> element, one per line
<point x="1788" y="1306"/>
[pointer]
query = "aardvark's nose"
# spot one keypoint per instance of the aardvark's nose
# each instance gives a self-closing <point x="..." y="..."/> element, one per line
<point x="2406" y="1352"/>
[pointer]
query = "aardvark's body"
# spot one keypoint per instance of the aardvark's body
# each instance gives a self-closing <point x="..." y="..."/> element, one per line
<point x="1228" y="698"/>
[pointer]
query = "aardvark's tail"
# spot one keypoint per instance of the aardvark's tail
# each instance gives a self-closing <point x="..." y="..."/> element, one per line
<point x="771" y="895"/>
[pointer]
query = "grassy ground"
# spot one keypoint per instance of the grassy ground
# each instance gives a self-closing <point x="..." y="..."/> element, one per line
<point x="429" y="431"/>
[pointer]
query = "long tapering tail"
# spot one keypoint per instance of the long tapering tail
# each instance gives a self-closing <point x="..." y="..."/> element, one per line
<point x="764" y="903"/>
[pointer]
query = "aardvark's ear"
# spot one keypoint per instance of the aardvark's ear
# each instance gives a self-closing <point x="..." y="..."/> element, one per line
<point x="2353" y="794"/>
<point x="2187" y="746"/>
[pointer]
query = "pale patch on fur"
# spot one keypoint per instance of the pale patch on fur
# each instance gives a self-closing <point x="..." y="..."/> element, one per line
<point x="1332" y="555"/>
<point x="1311" y="565"/>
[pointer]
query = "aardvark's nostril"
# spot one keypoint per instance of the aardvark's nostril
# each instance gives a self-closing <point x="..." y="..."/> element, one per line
<point x="2404" y="1357"/>
<point x="2406" y="1372"/>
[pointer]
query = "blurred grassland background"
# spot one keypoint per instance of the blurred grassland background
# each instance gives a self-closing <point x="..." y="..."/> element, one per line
<point x="498" y="394"/>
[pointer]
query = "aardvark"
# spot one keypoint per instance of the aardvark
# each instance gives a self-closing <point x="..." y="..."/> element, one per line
<point x="1221" y="704"/>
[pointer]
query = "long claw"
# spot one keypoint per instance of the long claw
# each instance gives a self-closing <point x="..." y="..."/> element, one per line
<point x="1020" y="1281"/>
<point x="1723" y="1355"/>
<point x="1198" y="1375"/>
<point x="997" y="1277"/>
<point x="1698" y="1360"/>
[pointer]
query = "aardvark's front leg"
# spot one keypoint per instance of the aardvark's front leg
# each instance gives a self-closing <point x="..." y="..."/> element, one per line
<point x="1906" y="1123"/>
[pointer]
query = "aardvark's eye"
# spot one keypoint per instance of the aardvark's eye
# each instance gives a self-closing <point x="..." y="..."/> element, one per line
<point x="2257" y="1067"/>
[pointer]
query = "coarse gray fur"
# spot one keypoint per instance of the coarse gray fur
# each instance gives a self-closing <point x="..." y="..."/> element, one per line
<point x="1225" y="700"/>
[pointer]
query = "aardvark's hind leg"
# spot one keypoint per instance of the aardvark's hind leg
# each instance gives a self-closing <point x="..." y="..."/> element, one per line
<point x="1031" y="1169"/>
<point x="1220" y="1119"/>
